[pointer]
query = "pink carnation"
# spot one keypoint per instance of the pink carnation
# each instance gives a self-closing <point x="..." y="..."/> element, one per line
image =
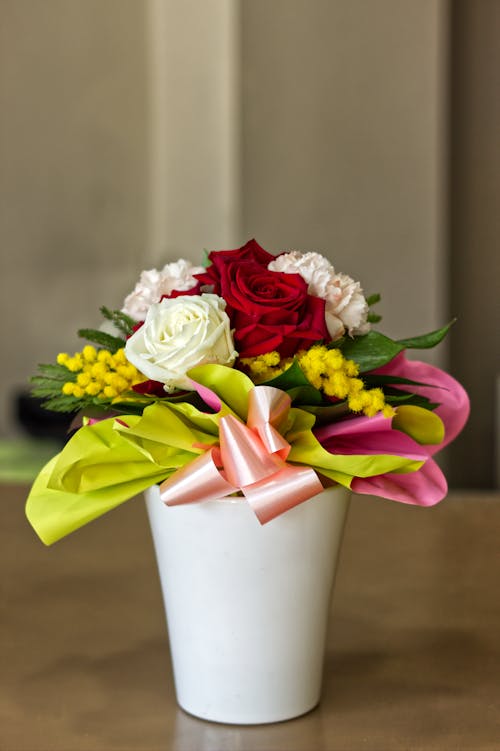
<point x="345" y="306"/>
<point x="154" y="284"/>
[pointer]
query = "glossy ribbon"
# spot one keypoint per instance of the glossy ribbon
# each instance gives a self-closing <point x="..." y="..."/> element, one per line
<point x="251" y="457"/>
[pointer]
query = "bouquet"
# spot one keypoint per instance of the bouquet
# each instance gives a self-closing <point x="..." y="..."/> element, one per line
<point x="252" y="374"/>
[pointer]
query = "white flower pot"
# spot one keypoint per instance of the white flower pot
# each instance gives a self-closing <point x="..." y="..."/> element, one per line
<point x="247" y="605"/>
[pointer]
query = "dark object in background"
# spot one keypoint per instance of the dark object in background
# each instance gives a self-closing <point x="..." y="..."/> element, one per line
<point x="39" y="422"/>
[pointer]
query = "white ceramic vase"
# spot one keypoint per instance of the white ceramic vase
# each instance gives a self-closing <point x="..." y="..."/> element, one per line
<point x="247" y="605"/>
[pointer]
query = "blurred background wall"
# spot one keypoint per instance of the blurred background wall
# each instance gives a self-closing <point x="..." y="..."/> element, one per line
<point x="73" y="172"/>
<point x="134" y="132"/>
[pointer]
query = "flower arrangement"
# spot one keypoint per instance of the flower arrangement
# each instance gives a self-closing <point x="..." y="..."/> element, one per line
<point x="253" y="374"/>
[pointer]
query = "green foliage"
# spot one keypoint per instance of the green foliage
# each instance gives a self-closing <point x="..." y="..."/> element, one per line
<point x="43" y="388"/>
<point x="381" y="380"/>
<point x="53" y="371"/>
<point x="63" y="403"/>
<point x="291" y="378"/>
<point x="48" y="383"/>
<point x="327" y="412"/>
<point x="122" y="321"/>
<point x="107" y="341"/>
<point x="426" y="341"/>
<point x="396" y="397"/>
<point x="371" y="351"/>
<point x="373" y="299"/>
<point x="305" y="395"/>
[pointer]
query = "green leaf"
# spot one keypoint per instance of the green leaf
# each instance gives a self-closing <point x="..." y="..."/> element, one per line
<point x="408" y="398"/>
<point x="373" y="318"/>
<point x="63" y="403"/>
<point x="50" y="386"/>
<point x="205" y="261"/>
<point x="292" y="377"/>
<point x="113" y="343"/>
<point x="121" y="320"/>
<point x="106" y="312"/>
<point x="126" y="408"/>
<point x="338" y="343"/>
<point x="327" y="413"/>
<point x="373" y="350"/>
<point x="381" y="380"/>
<point x="56" y="382"/>
<point x="305" y="395"/>
<point x="54" y="386"/>
<point x="373" y="299"/>
<point x="54" y="371"/>
<point x="42" y="391"/>
<point x="426" y="341"/>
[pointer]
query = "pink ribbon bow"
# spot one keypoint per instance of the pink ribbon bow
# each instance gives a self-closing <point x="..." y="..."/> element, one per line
<point x="251" y="458"/>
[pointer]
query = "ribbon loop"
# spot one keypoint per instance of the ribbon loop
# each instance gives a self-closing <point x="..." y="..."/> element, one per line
<point x="200" y="480"/>
<point x="268" y="409"/>
<point x="244" y="456"/>
<point x="251" y="458"/>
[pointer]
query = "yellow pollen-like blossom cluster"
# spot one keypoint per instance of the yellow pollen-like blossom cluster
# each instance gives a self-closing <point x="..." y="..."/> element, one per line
<point x="264" y="367"/>
<point x="100" y="373"/>
<point x="328" y="371"/>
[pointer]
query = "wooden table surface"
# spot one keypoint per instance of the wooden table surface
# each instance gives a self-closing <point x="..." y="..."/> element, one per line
<point x="413" y="649"/>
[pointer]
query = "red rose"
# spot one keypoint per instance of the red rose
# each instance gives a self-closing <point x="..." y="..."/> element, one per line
<point x="150" y="388"/>
<point x="269" y="310"/>
<point x="196" y="290"/>
<point x="221" y="259"/>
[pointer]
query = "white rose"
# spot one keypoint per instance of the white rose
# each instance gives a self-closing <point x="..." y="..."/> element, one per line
<point x="345" y="306"/>
<point x="178" y="334"/>
<point x="153" y="284"/>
